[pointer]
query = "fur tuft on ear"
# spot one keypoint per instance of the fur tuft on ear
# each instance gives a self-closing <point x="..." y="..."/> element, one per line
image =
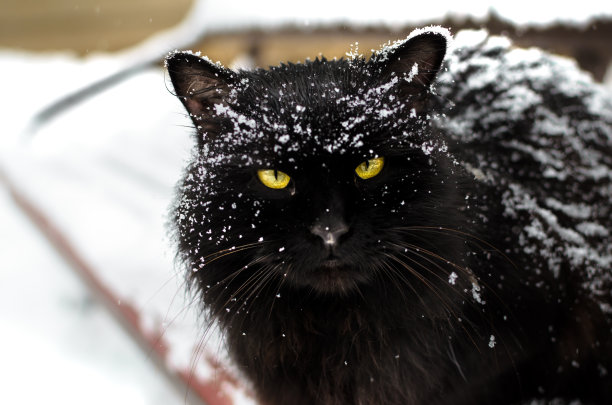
<point x="199" y="84"/>
<point x="414" y="61"/>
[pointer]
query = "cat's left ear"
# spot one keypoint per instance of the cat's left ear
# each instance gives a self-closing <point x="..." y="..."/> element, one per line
<point x="413" y="63"/>
<point x="199" y="84"/>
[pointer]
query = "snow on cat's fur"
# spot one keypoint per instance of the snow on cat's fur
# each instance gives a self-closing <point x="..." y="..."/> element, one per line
<point x="472" y="267"/>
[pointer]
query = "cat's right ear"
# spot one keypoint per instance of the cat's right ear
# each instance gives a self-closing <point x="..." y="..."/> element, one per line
<point x="413" y="64"/>
<point x="199" y="84"/>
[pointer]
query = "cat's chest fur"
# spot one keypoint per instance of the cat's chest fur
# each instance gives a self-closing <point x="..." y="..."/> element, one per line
<point x="363" y="240"/>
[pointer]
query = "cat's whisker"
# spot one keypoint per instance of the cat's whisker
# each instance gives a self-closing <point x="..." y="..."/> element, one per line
<point x="280" y="285"/>
<point x="443" y="301"/>
<point x="184" y="126"/>
<point x="461" y="234"/>
<point x="416" y="249"/>
<point x="225" y="252"/>
<point x="180" y="288"/>
<point x="398" y="277"/>
<point x="202" y="342"/>
<point x="257" y="275"/>
<point x="420" y="277"/>
<point x="258" y="271"/>
<point x="233" y="248"/>
<point x="179" y="291"/>
<point x="193" y="362"/>
<point x="166" y="324"/>
<point x="357" y="289"/>
<point x="434" y="246"/>
<point x="266" y="275"/>
<point x="430" y="285"/>
<point x="233" y="275"/>
<point x="243" y="293"/>
<point x="230" y="277"/>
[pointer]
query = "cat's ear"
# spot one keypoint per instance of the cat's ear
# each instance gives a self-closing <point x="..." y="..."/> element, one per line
<point x="199" y="84"/>
<point x="412" y="64"/>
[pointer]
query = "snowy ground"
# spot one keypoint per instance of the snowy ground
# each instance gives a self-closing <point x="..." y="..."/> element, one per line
<point x="104" y="173"/>
<point x="59" y="346"/>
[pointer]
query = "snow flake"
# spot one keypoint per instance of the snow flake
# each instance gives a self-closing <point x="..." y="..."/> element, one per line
<point x="476" y="294"/>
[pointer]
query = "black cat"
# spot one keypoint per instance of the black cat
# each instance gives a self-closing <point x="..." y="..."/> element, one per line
<point x="362" y="238"/>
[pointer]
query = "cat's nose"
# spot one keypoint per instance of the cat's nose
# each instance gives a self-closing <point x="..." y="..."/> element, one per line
<point x="330" y="232"/>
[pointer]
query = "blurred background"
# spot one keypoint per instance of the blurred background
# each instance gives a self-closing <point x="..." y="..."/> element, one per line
<point x="92" y="303"/>
<point x="273" y="31"/>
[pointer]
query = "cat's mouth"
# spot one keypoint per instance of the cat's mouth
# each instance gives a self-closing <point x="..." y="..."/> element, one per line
<point x="333" y="275"/>
<point x="331" y="262"/>
<point x="330" y="273"/>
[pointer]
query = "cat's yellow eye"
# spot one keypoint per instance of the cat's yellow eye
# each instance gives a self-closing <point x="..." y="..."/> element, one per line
<point x="370" y="168"/>
<point x="273" y="178"/>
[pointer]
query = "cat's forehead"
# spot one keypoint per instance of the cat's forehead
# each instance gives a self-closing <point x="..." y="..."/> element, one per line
<point x="321" y="109"/>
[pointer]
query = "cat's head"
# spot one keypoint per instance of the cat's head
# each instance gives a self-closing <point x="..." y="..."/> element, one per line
<point x="324" y="175"/>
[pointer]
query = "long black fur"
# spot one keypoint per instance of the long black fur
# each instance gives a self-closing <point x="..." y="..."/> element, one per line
<point x="436" y="294"/>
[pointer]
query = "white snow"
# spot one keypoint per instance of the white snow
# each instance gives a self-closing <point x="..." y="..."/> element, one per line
<point x="59" y="346"/>
<point x="104" y="174"/>
<point x="476" y="294"/>
<point x="492" y="341"/>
